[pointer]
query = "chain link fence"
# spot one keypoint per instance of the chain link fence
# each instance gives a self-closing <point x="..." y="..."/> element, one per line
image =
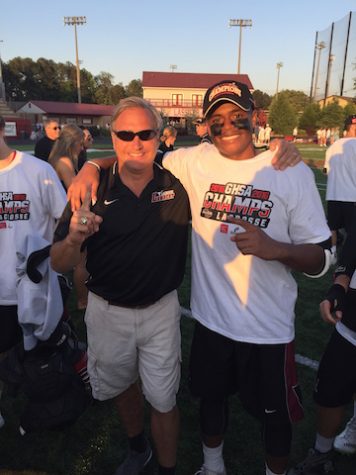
<point x="334" y="66"/>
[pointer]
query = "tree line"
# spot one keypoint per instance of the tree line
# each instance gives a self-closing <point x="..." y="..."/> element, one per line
<point x="44" y="79"/>
<point x="289" y="109"/>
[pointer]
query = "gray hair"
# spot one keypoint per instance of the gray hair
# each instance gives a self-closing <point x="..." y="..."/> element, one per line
<point x="48" y="121"/>
<point x="131" y="102"/>
<point x="65" y="144"/>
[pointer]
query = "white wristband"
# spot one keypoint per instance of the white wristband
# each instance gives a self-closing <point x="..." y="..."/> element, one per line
<point x="95" y="165"/>
<point x="327" y="262"/>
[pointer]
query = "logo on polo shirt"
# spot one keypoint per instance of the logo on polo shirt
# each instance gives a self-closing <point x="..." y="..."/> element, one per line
<point x="107" y="202"/>
<point x="158" y="196"/>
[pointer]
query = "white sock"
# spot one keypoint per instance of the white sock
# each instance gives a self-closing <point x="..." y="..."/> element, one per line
<point x="213" y="458"/>
<point x="269" y="472"/>
<point x="323" y="444"/>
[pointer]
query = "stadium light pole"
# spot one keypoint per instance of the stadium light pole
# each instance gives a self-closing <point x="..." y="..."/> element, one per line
<point x="173" y="67"/>
<point x="320" y="46"/>
<point x="76" y="20"/>
<point x="2" y="84"/>
<point x="279" y="66"/>
<point x="241" y="23"/>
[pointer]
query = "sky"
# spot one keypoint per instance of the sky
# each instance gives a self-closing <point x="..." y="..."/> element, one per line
<point x="126" y="37"/>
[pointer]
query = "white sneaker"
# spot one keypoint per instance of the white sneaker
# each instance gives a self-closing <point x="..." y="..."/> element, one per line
<point x="346" y="441"/>
<point x="2" y="421"/>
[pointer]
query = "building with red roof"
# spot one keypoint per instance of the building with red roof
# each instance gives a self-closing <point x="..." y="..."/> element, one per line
<point x="67" y="112"/>
<point x="180" y="95"/>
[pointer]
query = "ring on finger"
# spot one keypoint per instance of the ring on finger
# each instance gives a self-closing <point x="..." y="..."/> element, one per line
<point x="83" y="220"/>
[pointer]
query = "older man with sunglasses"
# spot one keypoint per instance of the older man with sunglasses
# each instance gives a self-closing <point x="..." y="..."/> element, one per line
<point x="44" y="146"/>
<point x="133" y="313"/>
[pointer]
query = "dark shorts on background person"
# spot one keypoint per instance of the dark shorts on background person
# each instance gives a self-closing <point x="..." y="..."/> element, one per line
<point x="10" y="331"/>
<point x="336" y="377"/>
<point x="341" y="214"/>
<point x="263" y="375"/>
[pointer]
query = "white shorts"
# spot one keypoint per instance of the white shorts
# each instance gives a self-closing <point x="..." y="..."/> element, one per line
<point x="125" y="344"/>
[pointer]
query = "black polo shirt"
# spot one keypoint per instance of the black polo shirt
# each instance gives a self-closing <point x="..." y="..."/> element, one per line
<point x="139" y="253"/>
<point x="43" y="148"/>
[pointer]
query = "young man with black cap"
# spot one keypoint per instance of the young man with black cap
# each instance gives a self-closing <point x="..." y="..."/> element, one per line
<point x="251" y="225"/>
<point x="340" y="166"/>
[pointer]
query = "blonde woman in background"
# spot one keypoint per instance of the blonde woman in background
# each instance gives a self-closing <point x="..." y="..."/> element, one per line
<point x="64" y="159"/>
<point x="168" y="139"/>
<point x="64" y="154"/>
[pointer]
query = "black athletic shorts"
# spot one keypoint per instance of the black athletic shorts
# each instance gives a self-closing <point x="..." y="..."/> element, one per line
<point x="11" y="332"/>
<point x="263" y="375"/>
<point x="336" y="378"/>
<point x="341" y="214"/>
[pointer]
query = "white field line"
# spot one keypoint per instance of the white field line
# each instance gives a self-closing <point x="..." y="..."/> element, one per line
<point x="303" y="360"/>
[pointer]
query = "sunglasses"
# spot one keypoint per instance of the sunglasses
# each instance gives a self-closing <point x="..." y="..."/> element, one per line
<point x="56" y="128"/>
<point x="128" y="136"/>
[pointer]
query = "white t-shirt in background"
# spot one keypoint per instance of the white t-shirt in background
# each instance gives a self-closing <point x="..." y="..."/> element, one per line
<point x="31" y="199"/>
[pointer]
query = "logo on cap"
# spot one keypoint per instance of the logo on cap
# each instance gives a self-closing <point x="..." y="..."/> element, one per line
<point x="229" y="88"/>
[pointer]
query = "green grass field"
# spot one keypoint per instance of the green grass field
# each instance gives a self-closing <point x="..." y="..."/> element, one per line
<point x="96" y="444"/>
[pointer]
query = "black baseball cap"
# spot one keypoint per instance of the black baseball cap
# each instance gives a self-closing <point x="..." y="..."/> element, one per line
<point x="351" y="119"/>
<point x="228" y="91"/>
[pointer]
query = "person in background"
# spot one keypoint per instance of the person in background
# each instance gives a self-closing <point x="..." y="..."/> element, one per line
<point x="40" y="199"/>
<point x="168" y="139"/>
<point x="65" y="152"/>
<point x="202" y="131"/>
<point x="340" y="167"/>
<point x="87" y="143"/>
<point x="261" y="135"/>
<point x="268" y="131"/>
<point x="44" y="146"/>
<point x="295" y="133"/>
<point x="336" y="379"/>
<point x="64" y="159"/>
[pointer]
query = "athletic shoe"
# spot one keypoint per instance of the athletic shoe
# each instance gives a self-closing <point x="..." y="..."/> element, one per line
<point x="346" y="441"/>
<point x="206" y="471"/>
<point x="316" y="463"/>
<point x="135" y="462"/>
<point x="2" y="421"/>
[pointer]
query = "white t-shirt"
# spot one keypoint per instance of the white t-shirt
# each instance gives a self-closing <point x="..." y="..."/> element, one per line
<point x="244" y="297"/>
<point x="31" y="199"/>
<point x="340" y="164"/>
